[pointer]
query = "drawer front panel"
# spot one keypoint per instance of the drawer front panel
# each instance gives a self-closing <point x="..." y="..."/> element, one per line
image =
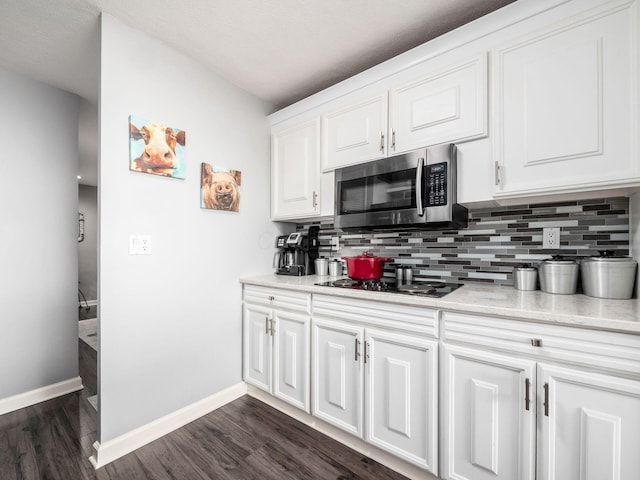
<point x="390" y="315"/>
<point x="278" y="298"/>
<point x="594" y="348"/>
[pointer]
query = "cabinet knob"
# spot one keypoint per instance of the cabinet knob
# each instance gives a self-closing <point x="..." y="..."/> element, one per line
<point x="271" y="299"/>
<point x="536" y="342"/>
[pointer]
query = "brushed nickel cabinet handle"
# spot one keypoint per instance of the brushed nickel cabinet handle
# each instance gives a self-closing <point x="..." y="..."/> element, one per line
<point x="315" y="199"/>
<point x="546" y="399"/>
<point x="393" y="139"/>
<point x="527" y="395"/>
<point x="381" y="141"/>
<point x="273" y="323"/>
<point x="266" y="325"/>
<point x="366" y="351"/>
<point x="357" y="349"/>
<point x="497" y="172"/>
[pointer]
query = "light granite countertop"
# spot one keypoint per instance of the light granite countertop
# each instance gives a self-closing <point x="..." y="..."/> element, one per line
<point x="485" y="299"/>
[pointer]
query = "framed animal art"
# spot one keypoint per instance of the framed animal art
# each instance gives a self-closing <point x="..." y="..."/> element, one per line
<point x="156" y="149"/>
<point x="220" y="188"/>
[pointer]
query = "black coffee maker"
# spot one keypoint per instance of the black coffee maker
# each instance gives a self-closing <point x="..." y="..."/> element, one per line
<point x="297" y="252"/>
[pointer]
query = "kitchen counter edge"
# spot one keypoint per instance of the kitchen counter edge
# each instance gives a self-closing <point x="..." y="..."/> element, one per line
<point x="488" y="300"/>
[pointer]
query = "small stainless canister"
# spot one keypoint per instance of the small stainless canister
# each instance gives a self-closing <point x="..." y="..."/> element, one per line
<point x="335" y="268"/>
<point x="408" y="275"/>
<point x="525" y="277"/>
<point x="322" y="266"/>
<point x="399" y="275"/>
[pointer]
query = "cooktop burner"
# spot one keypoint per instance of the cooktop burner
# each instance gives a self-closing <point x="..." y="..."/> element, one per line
<point x="428" y="288"/>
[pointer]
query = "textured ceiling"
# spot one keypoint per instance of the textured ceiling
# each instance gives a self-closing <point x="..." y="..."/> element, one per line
<point x="279" y="50"/>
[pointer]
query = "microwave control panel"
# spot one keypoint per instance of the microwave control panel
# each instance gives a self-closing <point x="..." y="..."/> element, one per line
<point x="436" y="184"/>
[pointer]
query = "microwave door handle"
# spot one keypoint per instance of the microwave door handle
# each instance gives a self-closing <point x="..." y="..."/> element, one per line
<point x="419" y="168"/>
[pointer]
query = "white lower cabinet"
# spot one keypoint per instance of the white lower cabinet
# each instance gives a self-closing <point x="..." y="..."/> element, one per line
<point x="590" y="425"/>
<point x="276" y="346"/>
<point x="400" y="398"/>
<point x="513" y="415"/>
<point x="337" y="374"/>
<point x="379" y="384"/>
<point x="489" y="416"/>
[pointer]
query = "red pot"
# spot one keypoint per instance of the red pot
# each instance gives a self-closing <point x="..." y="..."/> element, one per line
<point x="365" y="266"/>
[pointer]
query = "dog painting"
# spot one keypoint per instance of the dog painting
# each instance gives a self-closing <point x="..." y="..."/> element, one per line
<point x="155" y="148"/>
<point x="220" y="188"/>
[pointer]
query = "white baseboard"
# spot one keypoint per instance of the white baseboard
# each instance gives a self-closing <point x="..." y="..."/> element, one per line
<point x="394" y="463"/>
<point x="117" y="447"/>
<point x="22" y="400"/>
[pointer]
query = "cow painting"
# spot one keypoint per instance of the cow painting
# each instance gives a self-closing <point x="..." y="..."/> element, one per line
<point x="219" y="188"/>
<point x="156" y="148"/>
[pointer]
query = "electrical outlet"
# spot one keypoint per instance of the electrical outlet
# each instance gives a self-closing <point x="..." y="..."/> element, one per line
<point x="335" y="244"/>
<point x="551" y="237"/>
<point x="139" y="244"/>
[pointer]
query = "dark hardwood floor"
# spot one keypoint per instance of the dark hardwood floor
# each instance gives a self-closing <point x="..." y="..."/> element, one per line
<point x="243" y="440"/>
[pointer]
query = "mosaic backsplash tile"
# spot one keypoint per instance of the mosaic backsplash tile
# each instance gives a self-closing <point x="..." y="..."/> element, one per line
<point x="497" y="239"/>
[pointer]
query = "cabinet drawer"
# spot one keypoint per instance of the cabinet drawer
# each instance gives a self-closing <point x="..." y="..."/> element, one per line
<point x="390" y="315"/>
<point x="277" y="298"/>
<point x="594" y="348"/>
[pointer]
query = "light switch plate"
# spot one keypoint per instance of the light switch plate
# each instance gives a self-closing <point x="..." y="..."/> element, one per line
<point x="335" y="244"/>
<point x="139" y="244"/>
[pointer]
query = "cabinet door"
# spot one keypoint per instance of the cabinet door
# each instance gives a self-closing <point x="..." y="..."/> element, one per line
<point x="443" y="106"/>
<point x="257" y="346"/>
<point x="589" y="424"/>
<point x="564" y="100"/>
<point x="291" y="358"/>
<point x="401" y="396"/>
<point x="489" y="430"/>
<point x="295" y="172"/>
<point x="355" y="134"/>
<point x="337" y="382"/>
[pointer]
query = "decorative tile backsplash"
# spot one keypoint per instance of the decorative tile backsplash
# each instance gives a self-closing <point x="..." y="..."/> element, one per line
<point x="496" y="239"/>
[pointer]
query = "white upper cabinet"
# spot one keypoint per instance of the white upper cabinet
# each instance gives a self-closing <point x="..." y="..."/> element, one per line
<point x="295" y="171"/>
<point x="565" y="106"/>
<point x="355" y="134"/>
<point x="436" y="106"/>
<point x="448" y="105"/>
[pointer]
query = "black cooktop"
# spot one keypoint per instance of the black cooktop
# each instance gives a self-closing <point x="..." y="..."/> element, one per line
<point x="427" y="288"/>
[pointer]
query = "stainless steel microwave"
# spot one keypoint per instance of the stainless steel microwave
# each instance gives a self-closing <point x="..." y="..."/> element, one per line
<point x="415" y="190"/>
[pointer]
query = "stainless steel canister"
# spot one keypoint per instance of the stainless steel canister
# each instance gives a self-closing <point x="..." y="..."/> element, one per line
<point x="322" y="266"/>
<point x="558" y="275"/>
<point x="408" y="275"/>
<point x="608" y="276"/>
<point x="525" y="277"/>
<point x="335" y="268"/>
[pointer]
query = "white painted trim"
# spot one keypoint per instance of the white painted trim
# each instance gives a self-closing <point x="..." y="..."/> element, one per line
<point x="407" y="469"/>
<point x="117" y="447"/>
<point x="26" y="399"/>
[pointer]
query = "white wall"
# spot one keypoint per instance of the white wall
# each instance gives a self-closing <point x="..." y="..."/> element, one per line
<point x="38" y="235"/>
<point x="88" y="248"/>
<point x="170" y="322"/>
